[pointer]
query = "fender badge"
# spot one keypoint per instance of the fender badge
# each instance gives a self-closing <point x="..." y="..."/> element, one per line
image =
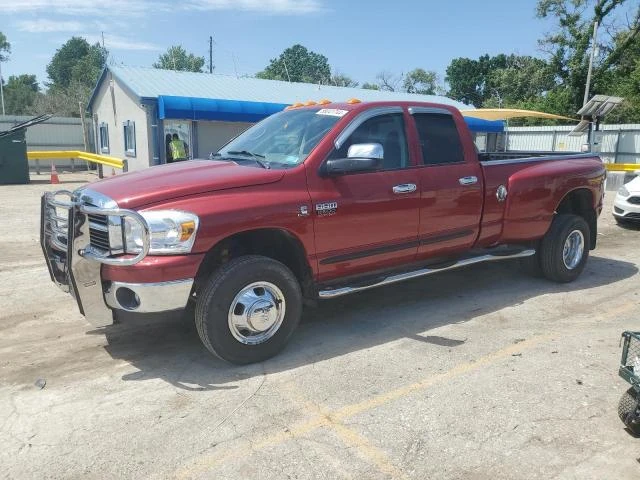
<point x="501" y="193"/>
<point x="303" y="211"/>
<point x="328" y="208"/>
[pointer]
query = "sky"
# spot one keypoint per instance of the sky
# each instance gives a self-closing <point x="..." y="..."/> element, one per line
<point x="359" y="37"/>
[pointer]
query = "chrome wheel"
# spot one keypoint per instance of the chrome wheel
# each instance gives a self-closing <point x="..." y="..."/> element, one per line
<point x="256" y="313"/>
<point x="573" y="249"/>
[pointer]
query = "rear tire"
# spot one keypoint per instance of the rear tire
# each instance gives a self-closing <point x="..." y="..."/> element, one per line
<point x="627" y="406"/>
<point x="248" y="309"/>
<point x="564" y="250"/>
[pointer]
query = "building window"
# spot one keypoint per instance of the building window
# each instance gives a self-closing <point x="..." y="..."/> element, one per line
<point x="104" y="138"/>
<point x="130" y="138"/>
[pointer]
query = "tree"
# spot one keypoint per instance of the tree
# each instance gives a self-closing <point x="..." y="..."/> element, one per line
<point x="76" y="62"/>
<point x="623" y="80"/>
<point x="341" y="80"/>
<point x="5" y="48"/>
<point x="20" y="93"/>
<point x="569" y="47"/>
<point x="388" y="81"/>
<point x="297" y="64"/>
<point x="421" y="81"/>
<point x="177" y="58"/>
<point x="370" y="86"/>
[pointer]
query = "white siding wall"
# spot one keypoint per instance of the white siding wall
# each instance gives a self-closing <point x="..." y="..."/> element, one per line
<point x="213" y="135"/>
<point x="625" y="139"/>
<point x="127" y="108"/>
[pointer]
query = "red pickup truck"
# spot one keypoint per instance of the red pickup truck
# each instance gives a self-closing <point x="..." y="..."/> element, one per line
<point x="314" y="202"/>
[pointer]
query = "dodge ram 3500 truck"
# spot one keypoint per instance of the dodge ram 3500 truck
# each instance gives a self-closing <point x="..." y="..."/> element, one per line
<point x="313" y="203"/>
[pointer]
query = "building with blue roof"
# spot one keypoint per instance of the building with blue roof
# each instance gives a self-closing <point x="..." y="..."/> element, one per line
<point x="135" y="108"/>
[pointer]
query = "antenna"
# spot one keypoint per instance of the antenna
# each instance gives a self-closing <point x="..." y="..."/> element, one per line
<point x="286" y="70"/>
<point x="210" y="54"/>
<point x="235" y="66"/>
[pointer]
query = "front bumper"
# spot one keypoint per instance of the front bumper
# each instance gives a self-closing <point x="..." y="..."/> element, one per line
<point x="625" y="209"/>
<point x="75" y="266"/>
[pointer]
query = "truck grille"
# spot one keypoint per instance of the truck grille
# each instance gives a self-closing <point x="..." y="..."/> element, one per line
<point x="99" y="232"/>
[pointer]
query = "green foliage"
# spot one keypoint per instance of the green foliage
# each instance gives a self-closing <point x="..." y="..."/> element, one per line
<point x="341" y="80"/>
<point x="20" y="93"/>
<point x="569" y="46"/>
<point x="421" y="81"/>
<point x="5" y="48"/>
<point x="297" y="64"/>
<point x="177" y="58"/>
<point x="370" y="86"/>
<point x="503" y="80"/>
<point x="76" y="62"/>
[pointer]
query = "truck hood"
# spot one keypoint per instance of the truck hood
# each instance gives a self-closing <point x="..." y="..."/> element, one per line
<point x="166" y="182"/>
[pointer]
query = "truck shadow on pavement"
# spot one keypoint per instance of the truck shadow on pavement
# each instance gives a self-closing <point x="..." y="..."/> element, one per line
<point x="167" y="347"/>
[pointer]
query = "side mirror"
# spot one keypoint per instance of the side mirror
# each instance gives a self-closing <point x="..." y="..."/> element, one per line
<point x="361" y="157"/>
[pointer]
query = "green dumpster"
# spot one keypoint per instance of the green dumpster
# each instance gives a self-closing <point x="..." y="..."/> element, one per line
<point x="14" y="166"/>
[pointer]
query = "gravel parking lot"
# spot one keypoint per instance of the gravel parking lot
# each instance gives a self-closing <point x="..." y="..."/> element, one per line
<point x="476" y="373"/>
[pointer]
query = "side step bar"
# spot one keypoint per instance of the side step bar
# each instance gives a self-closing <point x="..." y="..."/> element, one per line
<point x="338" y="292"/>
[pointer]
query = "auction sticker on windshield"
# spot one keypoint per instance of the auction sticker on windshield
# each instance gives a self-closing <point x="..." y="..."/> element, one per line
<point x="333" y="112"/>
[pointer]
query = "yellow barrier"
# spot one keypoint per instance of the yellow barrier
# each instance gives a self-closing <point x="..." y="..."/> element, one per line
<point x="622" y="167"/>
<point x="89" y="157"/>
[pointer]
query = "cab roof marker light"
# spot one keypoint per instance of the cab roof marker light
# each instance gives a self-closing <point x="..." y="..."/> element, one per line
<point x="354" y="100"/>
<point x="324" y="101"/>
<point x="309" y="103"/>
<point x="297" y="105"/>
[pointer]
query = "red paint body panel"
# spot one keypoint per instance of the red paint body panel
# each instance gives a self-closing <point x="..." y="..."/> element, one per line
<point x="155" y="269"/>
<point x="372" y="228"/>
<point x="174" y="180"/>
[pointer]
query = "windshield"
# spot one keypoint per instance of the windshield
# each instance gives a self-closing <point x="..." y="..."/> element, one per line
<point x="283" y="140"/>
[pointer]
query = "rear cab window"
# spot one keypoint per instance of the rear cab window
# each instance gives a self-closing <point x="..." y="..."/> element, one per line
<point x="439" y="138"/>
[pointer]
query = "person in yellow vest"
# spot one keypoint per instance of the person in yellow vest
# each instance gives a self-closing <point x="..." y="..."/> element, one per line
<point x="178" y="150"/>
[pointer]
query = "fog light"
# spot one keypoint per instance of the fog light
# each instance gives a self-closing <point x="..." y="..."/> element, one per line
<point x="127" y="298"/>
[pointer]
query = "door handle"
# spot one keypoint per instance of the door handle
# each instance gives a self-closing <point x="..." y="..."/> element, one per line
<point x="404" y="188"/>
<point x="472" y="180"/>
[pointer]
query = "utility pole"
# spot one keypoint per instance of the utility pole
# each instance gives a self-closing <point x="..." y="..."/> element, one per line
<point x="587" y="86"/>
<point x="593" y="54"/>
<point x="1" y="90"/>
<point x="210" y="54"/>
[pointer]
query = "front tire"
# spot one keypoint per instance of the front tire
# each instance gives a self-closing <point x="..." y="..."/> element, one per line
<point x="627" y="410"/>
<point x="248" y="309"/>
<point x="564" y="250"/>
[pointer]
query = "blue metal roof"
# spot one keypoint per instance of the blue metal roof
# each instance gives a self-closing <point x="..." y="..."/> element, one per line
<point x="215" y="109"/>
<point x="152" y="83"/>
<point x="479" y="125"/>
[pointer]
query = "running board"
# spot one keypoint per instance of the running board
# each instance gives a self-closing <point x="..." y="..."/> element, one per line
<point x="338" y="292"/>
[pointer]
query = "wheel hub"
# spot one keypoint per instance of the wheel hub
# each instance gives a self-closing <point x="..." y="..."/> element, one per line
<point x="262" y="315"/>
<point x="256" y="313"/>
<point x="573" y="249"/>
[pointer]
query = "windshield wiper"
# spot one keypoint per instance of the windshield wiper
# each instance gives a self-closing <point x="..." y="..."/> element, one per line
<point x="256" y="157"/>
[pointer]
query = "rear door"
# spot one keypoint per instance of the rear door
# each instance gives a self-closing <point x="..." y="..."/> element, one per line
<point x="368" y="221"/>
<point x="451" y="185"/>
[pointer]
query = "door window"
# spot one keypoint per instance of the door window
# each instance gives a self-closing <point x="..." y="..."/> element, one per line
<point x="388" y="131"/>
<point x="439" y="139"/>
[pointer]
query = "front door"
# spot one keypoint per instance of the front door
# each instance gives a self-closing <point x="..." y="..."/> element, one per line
<point x="368" y="221"/>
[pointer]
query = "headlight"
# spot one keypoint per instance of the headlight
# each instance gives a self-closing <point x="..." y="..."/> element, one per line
<point x="170" y="231"/>
<point x="623" y="191"/>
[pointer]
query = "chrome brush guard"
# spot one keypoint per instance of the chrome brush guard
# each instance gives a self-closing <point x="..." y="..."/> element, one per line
<point x="73" y="263"/>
